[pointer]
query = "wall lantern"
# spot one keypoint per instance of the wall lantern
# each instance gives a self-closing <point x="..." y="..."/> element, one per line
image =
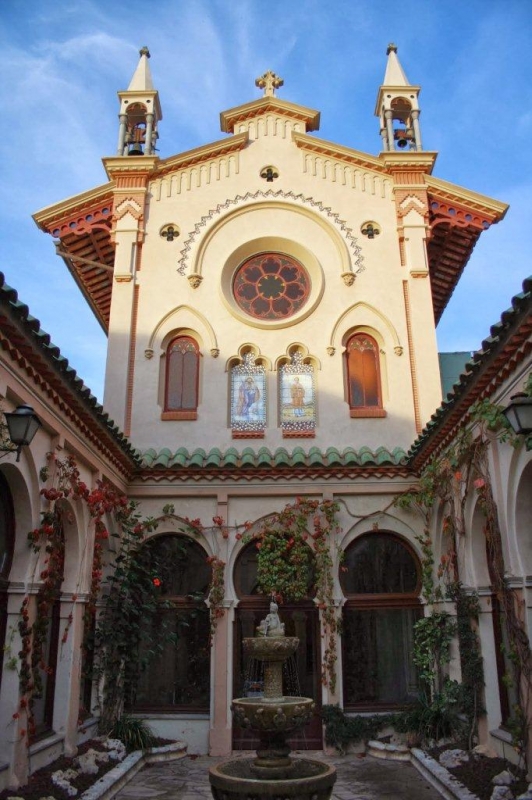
<point x="519" y="413"/>
<point x="22" y="425"/>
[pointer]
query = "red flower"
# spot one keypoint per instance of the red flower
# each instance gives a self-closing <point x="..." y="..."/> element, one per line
<point x="238" y="536"/>
<point x="218" y="521"/>
<point x="157" y="581"/>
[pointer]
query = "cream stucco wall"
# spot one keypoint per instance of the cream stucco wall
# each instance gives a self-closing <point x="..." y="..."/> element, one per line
<point x="314" y="210"/>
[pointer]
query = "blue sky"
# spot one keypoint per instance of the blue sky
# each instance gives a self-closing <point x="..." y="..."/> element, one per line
<point x="64" y="60"/>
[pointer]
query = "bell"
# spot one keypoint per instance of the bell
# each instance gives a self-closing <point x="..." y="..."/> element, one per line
<point x="400" y="143"/>
<point x="135" y="149"/>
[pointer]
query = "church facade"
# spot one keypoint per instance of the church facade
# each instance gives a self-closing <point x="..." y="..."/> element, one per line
<point x="271" y="301"/>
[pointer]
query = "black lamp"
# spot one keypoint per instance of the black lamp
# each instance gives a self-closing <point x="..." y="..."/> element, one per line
<point x="519" y="413"/>
<point x="22" y="424"/>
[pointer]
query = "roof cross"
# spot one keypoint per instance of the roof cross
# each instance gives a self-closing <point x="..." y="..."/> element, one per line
<point x="269" y="82"/>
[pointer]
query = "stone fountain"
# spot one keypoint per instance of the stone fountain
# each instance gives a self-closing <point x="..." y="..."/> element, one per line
<point x="272" y="774"/>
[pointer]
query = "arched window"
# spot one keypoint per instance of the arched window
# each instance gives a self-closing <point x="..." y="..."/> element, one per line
<point x="363" y="376"/>
<point x="182" y="374"/>
<point x="7" y="542"/>
<point x="381" y="580"/>
<point x="176" y="647"/>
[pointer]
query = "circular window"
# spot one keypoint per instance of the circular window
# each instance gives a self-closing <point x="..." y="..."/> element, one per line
<point x="271" y="286"/>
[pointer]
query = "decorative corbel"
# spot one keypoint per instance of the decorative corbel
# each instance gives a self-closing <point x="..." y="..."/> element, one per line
<point x="195" y="280"/>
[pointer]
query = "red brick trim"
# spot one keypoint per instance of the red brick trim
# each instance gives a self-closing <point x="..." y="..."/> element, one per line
<point x="168" y="415"/>
<point x="360" y="413"/>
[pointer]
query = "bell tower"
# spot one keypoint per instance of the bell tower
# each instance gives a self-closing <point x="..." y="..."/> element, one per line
<point x="398" y="108"/>
<point x="140" y="112"/>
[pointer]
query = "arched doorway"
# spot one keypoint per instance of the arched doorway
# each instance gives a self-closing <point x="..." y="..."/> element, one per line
<point x="175" y="650"/>
<point x="300" y="619"/>
<point x="381" y="581"/>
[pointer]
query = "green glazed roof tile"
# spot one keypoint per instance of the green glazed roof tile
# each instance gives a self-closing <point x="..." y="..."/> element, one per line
<point x="333" y="457"/>
<point x="247" y="458"/>
<point x="298" y="456"/>
<point x="281" y="457"/>
<point x="264" y="457"/>
<point x="197" y="458"/>
<point x="315" y="457"/>
<point x="231" y="457"/>
<point x="214" y="458"/>
<point x="350" y="456"/>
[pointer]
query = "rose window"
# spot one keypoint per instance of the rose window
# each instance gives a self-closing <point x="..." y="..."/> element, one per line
<point x="271" y="286"/>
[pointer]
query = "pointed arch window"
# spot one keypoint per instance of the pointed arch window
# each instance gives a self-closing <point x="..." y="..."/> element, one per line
<point x="182" y="379"/>
<point x="363" y="376"/>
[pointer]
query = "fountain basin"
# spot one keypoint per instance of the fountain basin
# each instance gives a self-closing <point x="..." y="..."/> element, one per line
<point x="272" y="714"/>
<point x="309" y="780"/>
<point x="271" y="648"/>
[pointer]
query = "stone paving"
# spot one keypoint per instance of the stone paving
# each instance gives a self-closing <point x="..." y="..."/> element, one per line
<point x="359" y="778"/>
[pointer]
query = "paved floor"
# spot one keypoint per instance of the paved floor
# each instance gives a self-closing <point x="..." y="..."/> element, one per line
<point x="363" y="778"/>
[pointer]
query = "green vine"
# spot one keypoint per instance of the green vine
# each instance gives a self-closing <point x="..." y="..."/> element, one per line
<point x="448" y="480"/>
<point x="342" y="730"/>
<point x="432" y="649"/>
<point x="288" y="570"/>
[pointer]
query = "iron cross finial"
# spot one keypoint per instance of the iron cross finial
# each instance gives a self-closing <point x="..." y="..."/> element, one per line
<point x="269" y="82"/>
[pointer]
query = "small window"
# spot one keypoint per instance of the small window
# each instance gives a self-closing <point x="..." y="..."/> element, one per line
<point x="363" y="377"/>
<point x="182" y="372"/>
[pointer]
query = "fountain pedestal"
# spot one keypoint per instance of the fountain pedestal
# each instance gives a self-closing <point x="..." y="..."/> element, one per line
<point x="272" y="773"/>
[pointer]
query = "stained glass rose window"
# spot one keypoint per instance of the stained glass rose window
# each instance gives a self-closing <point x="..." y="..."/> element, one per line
<point x="271" y="286"/>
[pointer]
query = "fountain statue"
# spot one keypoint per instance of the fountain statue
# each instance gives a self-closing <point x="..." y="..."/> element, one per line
<point x="272" y="774"/>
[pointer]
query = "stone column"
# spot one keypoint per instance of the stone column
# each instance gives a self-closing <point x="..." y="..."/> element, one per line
<point x="121" y="134"/>
<point x="388" y="116"/>
<point x="68" y="673"/>
<point x="14" y="727"/>
<point x="149" y="132"/>
<point x="417" y="129"/>
<point x="492" y="718"/>
<point x="220" y="732"/>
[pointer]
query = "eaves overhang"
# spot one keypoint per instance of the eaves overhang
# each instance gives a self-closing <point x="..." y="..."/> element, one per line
<point x="457" y="217"/>
<point x="509" y="344"/>
<point x="22" y="338"/>
<point x="81" y="226"/>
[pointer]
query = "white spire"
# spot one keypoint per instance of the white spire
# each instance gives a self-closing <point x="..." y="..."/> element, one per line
<point x="140" y="112"/>
<point x="141" y="80"/>
<point x="395" y="75"/>
<point x="398" y="107"/>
